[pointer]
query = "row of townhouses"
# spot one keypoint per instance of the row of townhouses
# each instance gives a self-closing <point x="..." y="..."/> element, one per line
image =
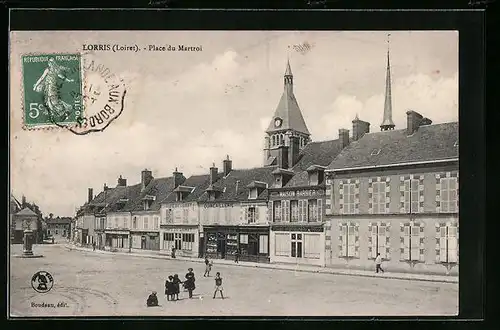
<point x="334" y="203"/>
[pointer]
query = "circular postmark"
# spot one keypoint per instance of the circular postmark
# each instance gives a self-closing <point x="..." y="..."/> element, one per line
<point x="42" y="282"/>
<point x="71" y="91"/>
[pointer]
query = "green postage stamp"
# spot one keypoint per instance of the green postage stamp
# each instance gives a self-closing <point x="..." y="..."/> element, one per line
<point x="52" y="89"/>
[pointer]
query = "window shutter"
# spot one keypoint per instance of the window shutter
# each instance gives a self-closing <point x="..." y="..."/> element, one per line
<point x="343" y="241"/>
<point x="320" y="210"/>
<point x="442" y="244"/>
<point x="381" y="241"/>
<point x="270" y="211"/>
<point x="257" y="214"/>
<point x="374" y="241"/>
<point x="406" y="242"/>
<point x="350" y="241"/>
<point x="452" y="244"/>
<point x="287" y="211"/>
<point x="415" y="243"/>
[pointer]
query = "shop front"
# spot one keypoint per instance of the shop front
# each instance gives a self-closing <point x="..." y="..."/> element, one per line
<point x="223" y="242"/>
<point x="146" y="240"/>
<point x="117" y="239"/>
<point x="298" y="244"/>
<point x="184" y="238"/>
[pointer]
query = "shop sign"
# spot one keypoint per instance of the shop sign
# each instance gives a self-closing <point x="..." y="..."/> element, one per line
<point x="300" y="193"/>
<point x="209" y="205"/>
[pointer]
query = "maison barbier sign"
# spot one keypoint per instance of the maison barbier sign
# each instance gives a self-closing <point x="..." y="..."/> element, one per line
<point x="299" y="193"/>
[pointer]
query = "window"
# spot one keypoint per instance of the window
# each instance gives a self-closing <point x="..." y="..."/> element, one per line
<point x="146" y="224"/>
<point x="243" y="239"/>
<point x="135" y="223"/>
<point x="56" y="232"/>
<point x="378" y="197"/>
<point x="263" y="244"/>
<point x="282" y="244"/>
<point x="448" y="244"/>
<point x="411" y="197"/>
<point x="349" y="195"/>
<point x="251" y="215"/>
<point x="378" y="241"/>
<point x="48" y="231"/>
<point x="252" y="194"/>
<point x="296" y="245"/>
<point x="285" y="211"/>
<point x="294" y="205"/>
<point x="313" y="208"/>
<point x="347" y="240"/>
<point x="411" y="243"/>
<point x="187" y="242"/>
<point x="168" y="237"/>
<point x="312" y="246"/>
<point x="448" y="195"/>
<point x="277" y="211"/>
<point x="155" y="222"/>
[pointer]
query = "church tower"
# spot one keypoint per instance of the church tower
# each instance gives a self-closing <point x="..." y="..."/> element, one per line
<point x="287" y="133"/>
<point x="387" y="123"/>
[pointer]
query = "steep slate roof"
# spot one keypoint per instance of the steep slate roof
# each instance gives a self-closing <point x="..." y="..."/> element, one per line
<point x="314" y="153"/>
<point x="26" y="211"/>
<point x="428" y="143"/>
<point x="199" y="182"/>
<point x="245" y="176"/>
<point x="289" y="111"/>
<point x="160" y="188"/>
<point x="14" y="204"/>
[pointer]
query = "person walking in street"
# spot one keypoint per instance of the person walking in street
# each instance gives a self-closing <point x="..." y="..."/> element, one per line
<point x="218" y="285"/>
<point x="378" y="263"/>
<point x="173" y="253"/>
<point x="208" y="267"/>
<point x="176" y="281"/>
<point x="93" y="246"/>
<point x="189" y="282"/>
<point x="237" y="256"/>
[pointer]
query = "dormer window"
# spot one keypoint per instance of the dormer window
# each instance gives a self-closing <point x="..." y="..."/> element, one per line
<point x="252" y="194"/>
<point x="375" y="152"/>
<point x="255" y="188"/>
<point x="316" y="174"/>
<point x="179" y="196"/>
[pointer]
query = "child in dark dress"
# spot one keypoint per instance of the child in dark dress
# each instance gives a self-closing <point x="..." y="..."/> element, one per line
<point x="189" y="282"/>
<point x="169" y="288"/>
<point x="176" y="282"/>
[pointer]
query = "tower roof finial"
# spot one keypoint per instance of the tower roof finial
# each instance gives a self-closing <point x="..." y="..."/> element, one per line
<point x="387" y="123"/>
<point x="288" y="71"/>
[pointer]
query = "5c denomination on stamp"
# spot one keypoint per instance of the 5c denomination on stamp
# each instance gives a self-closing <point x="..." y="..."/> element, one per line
<point x="52" y="85"/>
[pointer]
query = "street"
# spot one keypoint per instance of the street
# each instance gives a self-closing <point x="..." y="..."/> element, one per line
<point x="92" y="284"/>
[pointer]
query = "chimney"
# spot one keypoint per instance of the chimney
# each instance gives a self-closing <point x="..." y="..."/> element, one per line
<point x="146" y="177"/>
<point x="178" y="178"/>
<point x="293" y="150"/>
<point x="122" y="182"/>
<point x="105" y="187"/>
<point x="413" y="121"/>
<point x="282" y="157"/>
<point x="344" y="137"/>
<point x="213" y="173"/>
<point x="90" y="195"/>
<point x="359" y="128"/>
<point x="23" y="201"/>
<point x="227" y="165"/>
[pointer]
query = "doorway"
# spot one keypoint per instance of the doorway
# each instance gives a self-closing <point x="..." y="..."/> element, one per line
<point x="143" y="243"/>
<point x="221" y="247"/>
<point x="178" y="241"/>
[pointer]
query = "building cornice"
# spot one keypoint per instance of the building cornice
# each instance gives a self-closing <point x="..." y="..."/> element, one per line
<point x="378" y="167"/>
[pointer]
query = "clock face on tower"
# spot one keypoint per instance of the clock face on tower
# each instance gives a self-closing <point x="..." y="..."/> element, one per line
<point x="278" y="122"/>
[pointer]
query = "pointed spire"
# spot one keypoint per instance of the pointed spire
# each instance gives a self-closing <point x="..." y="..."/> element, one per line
<point x="288" y="71"/>
<point x="387" y="123"/>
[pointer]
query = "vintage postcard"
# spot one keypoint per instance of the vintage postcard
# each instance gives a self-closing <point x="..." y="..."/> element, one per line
<point x="233" y="173"/>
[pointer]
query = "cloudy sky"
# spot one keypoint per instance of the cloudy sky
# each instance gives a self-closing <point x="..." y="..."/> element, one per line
<point x="188" y="110"/>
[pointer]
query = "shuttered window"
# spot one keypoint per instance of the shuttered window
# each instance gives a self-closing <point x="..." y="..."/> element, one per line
<point x="282" y="244"/>
<point x="448" y="244"/>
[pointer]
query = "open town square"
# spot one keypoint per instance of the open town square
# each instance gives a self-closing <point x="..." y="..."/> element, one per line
<point x="88" y="283"/>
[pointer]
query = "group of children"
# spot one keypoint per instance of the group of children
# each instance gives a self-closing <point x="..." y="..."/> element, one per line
<point x="172" y="285"/>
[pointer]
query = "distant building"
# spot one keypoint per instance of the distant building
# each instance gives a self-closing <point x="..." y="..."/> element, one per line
<point x="59" y="227"/>
<point x="24" y="220"/>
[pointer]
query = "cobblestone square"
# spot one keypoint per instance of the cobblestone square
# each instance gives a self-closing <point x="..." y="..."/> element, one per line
<point x="91" y="284"/>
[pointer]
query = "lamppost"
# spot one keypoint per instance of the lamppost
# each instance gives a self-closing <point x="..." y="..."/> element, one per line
<point x="28" y="240"/>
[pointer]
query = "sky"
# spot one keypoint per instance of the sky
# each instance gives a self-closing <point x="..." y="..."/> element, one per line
<point x="191" y="109"/>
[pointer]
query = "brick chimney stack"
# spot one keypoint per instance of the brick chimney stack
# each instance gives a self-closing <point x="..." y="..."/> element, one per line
<point x="90" y="195"/>
<point x="344" y="137"/>
<point x="122" y="182"/>
<point x="146" y="177"/>
<point x="213" y="173"/>
<point x="227" y="165"/>
<point x="413" y="121"/>
<point x="293" y="150"/>
<point x="23" y="201"/>
<point x="178" y="178"/>
<point x="359" y="128"/>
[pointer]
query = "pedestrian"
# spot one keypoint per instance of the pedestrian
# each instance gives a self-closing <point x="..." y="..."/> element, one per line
<point x="93" y="246"/>
<point x="218" y="285"/>
<point x="237" y="256"/>
<point x="208" y="267"/>
<point x="169" y="288"/>
<point x="189" y="282"/>
<point x="378" y="263"/>
<point x="173" y="253"/>
<point x="176" y="281"/>
<point x="152" y="300"/>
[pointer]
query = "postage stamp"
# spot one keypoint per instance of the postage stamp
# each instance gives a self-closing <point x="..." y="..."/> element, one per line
<point x="52" y="85"/>
<point x="70" y="91"/>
